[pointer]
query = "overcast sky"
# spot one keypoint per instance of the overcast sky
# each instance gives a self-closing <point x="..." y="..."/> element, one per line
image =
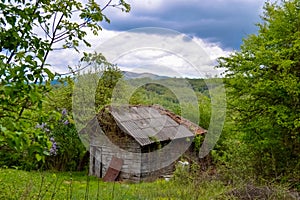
<point x="217" y="26"/>
<point x="221" y="21"/>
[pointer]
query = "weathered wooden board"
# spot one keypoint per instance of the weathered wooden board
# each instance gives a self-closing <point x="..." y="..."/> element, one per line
<point x="113" y="169"/>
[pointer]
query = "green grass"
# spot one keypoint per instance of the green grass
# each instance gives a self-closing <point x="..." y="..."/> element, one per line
<point x="17" y="184"/>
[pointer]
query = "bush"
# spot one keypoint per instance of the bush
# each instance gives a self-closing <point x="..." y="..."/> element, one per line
<point x="67" y="152"/>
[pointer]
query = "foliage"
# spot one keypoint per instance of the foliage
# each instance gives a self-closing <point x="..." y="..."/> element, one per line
<point x="106" y="84"/>
<point x="162" y="92"/>
<point x="60" y="96"/>
<point x="68" y="153"/>
<point x="205" y="110"/>
<point x="71" y="154"/>
<point x="23" y="64"/>
<point x="197" y="142"/>
<point x="104" y="77"/>
<point x="263" y="84"/>
<point x="154" y="93"/>
<point x="23" y="150"/>
<point x="93" y="87"/>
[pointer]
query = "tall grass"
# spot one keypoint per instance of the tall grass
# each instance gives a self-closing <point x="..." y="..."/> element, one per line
<point x="17" y="184"/>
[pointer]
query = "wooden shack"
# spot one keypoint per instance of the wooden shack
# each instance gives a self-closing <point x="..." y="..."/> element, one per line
<point x="137" y="143"/>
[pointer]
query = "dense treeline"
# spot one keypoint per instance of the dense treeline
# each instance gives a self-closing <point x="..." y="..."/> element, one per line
<point x="263" y="85"/>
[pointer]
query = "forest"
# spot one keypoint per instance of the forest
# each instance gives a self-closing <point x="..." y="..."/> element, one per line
<point x="43" y="157"/>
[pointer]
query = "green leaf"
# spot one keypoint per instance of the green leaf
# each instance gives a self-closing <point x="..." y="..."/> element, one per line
<point x="49" y="73"/>
<point x="46" y="153"/>
<point x="30" y="77"/>
<point x="38" y="157"/>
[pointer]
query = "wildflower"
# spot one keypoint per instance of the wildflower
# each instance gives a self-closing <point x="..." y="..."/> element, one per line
<point x="41" y="126"/>
<point x="64" y="112"/>
<point x="66" y="122"/>
<point x="53" y="149"/>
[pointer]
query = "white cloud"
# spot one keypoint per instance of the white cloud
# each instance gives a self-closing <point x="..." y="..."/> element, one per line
<point x="174" y="58"/>
<point x="61" y="59"/>
<point x="212" y="49"/>
<point x="146" y="4"/>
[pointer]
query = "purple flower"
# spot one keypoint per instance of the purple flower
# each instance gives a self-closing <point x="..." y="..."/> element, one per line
<point x="64" y="112"/>
<point x="53" y="149"/>
<point x="41" y="126"/>
<point x="66" y="122"/>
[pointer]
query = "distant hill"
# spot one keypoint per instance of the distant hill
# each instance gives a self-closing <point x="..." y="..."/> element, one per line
<point x="132" y="75"/>
<point x="128" y="76"/>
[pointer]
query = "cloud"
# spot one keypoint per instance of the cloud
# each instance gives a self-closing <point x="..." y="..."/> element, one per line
<point x="223" y="21"/>
<point x="217" y="26"/>
<point x="60" y="60"/>
<point x="158" y="51"/>
<point x="168" y="64"/>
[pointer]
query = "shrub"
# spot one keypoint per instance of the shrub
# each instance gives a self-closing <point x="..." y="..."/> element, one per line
<point x="67" y="152"/>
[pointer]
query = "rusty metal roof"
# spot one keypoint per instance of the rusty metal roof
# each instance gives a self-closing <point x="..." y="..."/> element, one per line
<point x="149" y="124"/>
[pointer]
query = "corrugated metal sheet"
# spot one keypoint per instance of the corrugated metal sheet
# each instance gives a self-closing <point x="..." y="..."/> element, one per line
<point x="130" y="125"/>
<point x="149" y="124"/>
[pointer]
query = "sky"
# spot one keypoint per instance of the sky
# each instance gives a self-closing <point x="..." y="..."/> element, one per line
<point x="216" y="26"/>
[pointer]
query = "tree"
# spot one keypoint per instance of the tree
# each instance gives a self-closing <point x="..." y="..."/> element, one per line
<point x="263" y="84"/>
<point x="69" y="153"/>
<point x="107" y="83"/>
<point x="24" y="76"/>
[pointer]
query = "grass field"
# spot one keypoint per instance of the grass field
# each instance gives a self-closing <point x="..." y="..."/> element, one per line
<point x="17" y="184"/>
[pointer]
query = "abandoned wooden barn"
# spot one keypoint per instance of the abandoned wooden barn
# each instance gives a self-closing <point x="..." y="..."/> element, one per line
<point x="137" y="143"/>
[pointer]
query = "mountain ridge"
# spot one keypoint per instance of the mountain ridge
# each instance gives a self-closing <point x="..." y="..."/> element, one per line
<point x="134" y="75"/>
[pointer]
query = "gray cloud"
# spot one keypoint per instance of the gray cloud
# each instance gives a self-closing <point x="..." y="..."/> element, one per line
<point x="221" y="21"/>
